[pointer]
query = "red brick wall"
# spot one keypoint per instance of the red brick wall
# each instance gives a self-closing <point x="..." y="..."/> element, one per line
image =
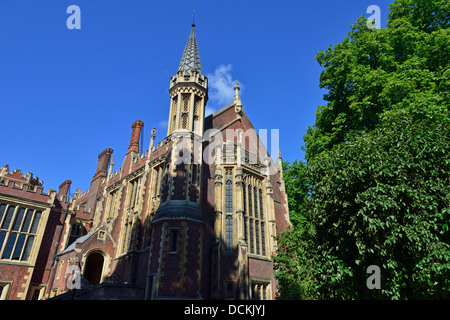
<point x="19" y="275"/>
<point x="260" y="268"/>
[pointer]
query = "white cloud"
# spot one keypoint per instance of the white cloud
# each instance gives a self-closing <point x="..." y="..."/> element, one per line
<point x="221" y="90"/>
<point x="221" y="86"/>
<point x="163" y="123"/>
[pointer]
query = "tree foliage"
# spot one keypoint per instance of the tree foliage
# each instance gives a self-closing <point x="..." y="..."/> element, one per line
<point x="297" y="189"/>
<point x="378" y="165"/>
<point x="382" y="198"/>
<point x="372" y="71"/>
<point x="292" y="264"/>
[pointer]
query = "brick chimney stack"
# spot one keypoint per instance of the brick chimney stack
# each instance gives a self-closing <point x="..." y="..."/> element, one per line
<point x="135" y="135"/>
<point x="103" y="161"/>
<point x="64" y="188"/>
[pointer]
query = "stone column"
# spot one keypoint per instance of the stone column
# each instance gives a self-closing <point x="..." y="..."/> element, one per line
<point x="271" y="214"/>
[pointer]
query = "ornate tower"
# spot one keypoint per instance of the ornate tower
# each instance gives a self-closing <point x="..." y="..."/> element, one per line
<point x="178" y="223"/>
<point x="188" y="92"/>
<point x="188" y="96"/>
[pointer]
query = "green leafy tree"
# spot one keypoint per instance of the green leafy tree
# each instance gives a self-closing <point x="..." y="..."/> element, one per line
<point x="297" y="188"/>
<point x="382" y="198"/>
<point x="378" y="165"/>
<point x="292" y="263"/>
<point x="371" y="71"/>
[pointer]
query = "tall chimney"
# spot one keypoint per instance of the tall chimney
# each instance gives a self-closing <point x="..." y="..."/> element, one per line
<point x="64" y="187"/>
<point x="103" y="161"/>
<point x="135" y="135"/>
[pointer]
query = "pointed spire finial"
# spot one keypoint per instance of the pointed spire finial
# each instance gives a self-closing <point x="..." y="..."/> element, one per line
<point x="152" y="141"/>
<point x="190" y="61"/>
<point x="237" y="100"/>
<point x="236" y="91"/>
<point x="193" y="19"/>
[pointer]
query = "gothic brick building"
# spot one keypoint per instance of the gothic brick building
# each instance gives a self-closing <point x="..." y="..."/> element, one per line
<point x="30" y="224"/>
<point x="193" y="217"/>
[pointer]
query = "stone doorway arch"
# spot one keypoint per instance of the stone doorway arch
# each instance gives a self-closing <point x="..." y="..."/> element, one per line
<point x="93" y="270"/>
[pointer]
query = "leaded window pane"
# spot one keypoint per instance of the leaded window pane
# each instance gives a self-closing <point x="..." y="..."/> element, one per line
<point x="8" y="217"/>
<point x="34" y="226"/>
<point x="19" y="247"/>
<point x="2" y="211"/>
<point x="27" y="222"/>
<point x="229" y="233"/>
<point x="254" y="211"/>
<point x="2" y="238"/>
<point x="250" y="207"/>
<point x="18" y="219"/>
<point x="257" y="236"/>
<point x="263" y="239"/>
<point x="255" y="199"/>
<point x="9" y="246"/>
<point x="252" y="249"/>
<point x="28" y="246"/>
<point x="261" y="214"/>
<point x="229" y="192"/>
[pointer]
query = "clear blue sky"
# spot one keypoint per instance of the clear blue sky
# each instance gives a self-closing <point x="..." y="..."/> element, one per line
<point x="66" y="95"/>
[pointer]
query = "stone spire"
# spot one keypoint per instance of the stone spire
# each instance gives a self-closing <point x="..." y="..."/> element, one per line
<point x="188" y="92"/>
<point x="190" y="61"/>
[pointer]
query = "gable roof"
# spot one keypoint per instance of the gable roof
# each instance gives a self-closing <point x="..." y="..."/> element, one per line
<point x="79" y="240"/>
